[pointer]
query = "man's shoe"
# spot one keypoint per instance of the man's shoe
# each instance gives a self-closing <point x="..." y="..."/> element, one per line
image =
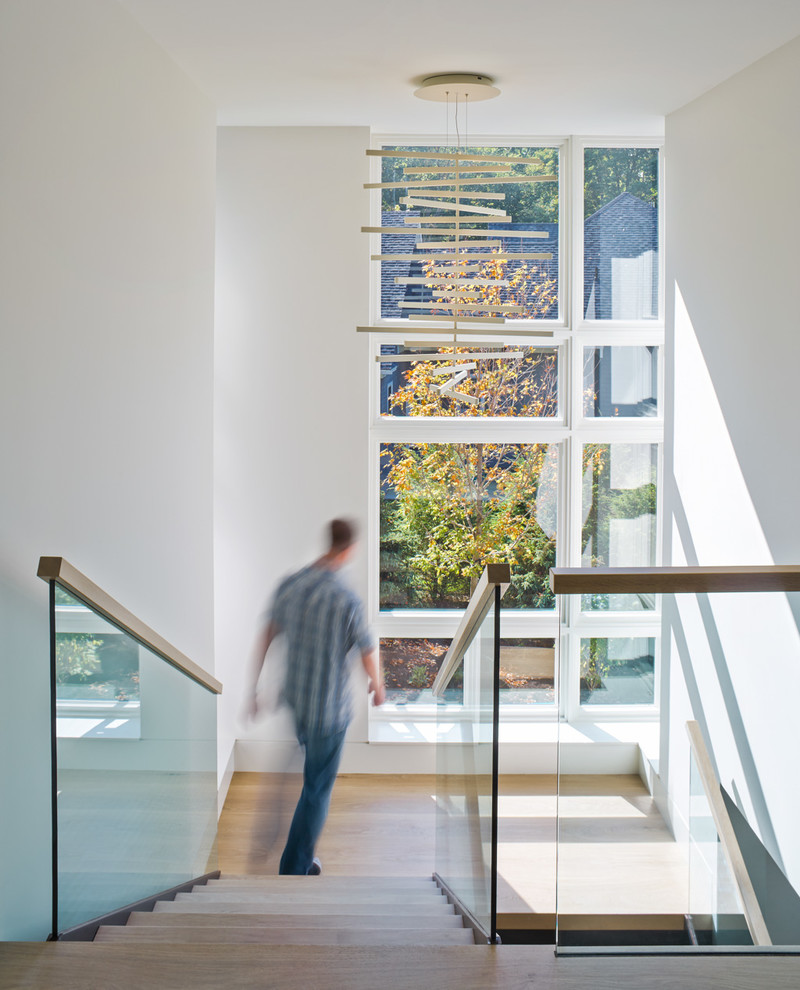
<point x="315" y="869"/>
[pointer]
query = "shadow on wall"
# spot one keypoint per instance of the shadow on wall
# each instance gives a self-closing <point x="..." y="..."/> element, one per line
<point x="738" y="653"/>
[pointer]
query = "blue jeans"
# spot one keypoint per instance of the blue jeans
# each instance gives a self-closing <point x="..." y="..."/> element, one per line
<point x="319" y="774"/>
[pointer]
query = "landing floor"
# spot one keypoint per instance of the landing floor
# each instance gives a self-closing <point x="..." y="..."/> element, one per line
<point x="615" y="853"/>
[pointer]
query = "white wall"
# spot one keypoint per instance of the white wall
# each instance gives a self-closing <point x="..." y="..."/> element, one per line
<point x="732" y="222"/>
<point x="291" y="419"/>
<point x="106" y="308"/>
<point x="291" y="379"/>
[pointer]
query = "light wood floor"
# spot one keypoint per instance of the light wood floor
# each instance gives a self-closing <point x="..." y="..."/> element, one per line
<point x="384" y="826"/>
<point x="616" y="856"/>
<point x="88" y="966"/>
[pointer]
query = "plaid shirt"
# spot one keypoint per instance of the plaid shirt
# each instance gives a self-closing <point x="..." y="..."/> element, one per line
<point x="323" y="621"/>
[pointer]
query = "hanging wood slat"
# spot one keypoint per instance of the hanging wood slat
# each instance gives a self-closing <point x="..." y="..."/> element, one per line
<point x="457" y="220"/>
<point x="478" y="356"/>
<point x="427" y="256"/>
<point x="463" y="211"/>
<point x="441" y="156"/>
<point x="407" y="280"/>
<point x="489" y="181"/>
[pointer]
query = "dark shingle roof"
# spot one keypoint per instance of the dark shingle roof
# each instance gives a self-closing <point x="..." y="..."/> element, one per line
<point x="626" y="227"/>
<point x="399" y="243"/>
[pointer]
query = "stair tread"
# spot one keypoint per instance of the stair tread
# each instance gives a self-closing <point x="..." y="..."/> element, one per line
<point x="256" y="919"/>
<point x="306" y="887"/>
<point x="191" y="902"/>
<point x="319" y="896"/>
<point x="325" y="878"/>
<point x="287" y="935"/>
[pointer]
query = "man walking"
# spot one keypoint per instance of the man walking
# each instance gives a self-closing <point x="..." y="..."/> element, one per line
<point x="323" y="622"/>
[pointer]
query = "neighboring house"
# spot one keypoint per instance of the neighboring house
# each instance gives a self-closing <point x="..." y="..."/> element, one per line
<point x="620" y="250"/>
<point x="620" y="261"/>
<point x="403" y="242"/>
<point x="621" y="283"/>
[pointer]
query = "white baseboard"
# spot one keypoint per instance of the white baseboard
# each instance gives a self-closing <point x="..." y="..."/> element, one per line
<point x="225" y="781"/>
<point x="260" y="756"/>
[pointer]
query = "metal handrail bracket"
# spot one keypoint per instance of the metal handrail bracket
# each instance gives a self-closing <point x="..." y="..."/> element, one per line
<point x="63" y="573"/>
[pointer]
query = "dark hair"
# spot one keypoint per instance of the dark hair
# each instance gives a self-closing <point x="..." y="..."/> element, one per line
<point x="343" y="534"/>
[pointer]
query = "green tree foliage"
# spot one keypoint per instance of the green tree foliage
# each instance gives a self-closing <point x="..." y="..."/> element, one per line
<point x="607" y="504"/>
<point x="595" y="664"/>
<point x="503" y="387"/>
<point x="535" y="202"/>
<point x="529" y="287"/>
<point x="77" y="661"/>
<point x="461" y="506"/>
<point x="106" y="665"/>
<point x="608" y="172"/>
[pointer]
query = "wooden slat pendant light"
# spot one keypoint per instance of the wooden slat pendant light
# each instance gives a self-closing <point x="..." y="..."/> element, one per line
<point x="439" y="190"/>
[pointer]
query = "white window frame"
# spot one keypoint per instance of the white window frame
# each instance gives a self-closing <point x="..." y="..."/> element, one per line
<point x="570" y="429"/>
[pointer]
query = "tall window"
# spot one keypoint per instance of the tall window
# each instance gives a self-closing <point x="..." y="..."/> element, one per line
<point x="550" y="458"/>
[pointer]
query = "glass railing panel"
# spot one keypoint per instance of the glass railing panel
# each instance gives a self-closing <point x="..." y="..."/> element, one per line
<point x="617" y="670"/>
<point x="410" y="665"/>
<point x="136" y="768"/>
<point x="652" y="851"/>
<point x="466" y="819"/>
<point x="527" y="673"/>
<point x="737" y="655"/>
<point x="715" y="909"/>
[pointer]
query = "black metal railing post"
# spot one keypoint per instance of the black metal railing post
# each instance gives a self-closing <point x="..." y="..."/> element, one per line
<point x="53" y="760"/>
<point x="495" y="761"/>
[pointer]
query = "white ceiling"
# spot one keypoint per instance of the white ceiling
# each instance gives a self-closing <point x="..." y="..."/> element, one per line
<point x="564" y="66"/>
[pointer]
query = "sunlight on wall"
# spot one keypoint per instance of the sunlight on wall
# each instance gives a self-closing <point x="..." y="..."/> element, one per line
<point x="725" y="528"/>
<point x="736" y="653"/>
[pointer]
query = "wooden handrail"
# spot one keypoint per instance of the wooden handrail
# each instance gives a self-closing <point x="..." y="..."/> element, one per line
<point x="727" y="837"/>
<point x="63" y="573"/>
<point x="673" y="580"/>
<point x="494" y="575"/>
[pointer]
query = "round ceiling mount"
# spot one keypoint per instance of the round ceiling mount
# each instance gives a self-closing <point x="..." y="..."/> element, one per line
<point x="462" y="85"/>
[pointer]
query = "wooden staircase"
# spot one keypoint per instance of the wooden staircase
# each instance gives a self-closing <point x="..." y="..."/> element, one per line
<point x="323" y="910"/>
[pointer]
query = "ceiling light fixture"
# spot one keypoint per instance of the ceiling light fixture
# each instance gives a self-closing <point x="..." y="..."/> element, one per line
<point x="449" y="86"/>
<point x="460" y="238"/>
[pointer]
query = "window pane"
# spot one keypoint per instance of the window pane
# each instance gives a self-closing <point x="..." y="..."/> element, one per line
<point x="448" y="509"/>
<point x="97" y="675"/>
<point x="620" y="234"/>
<point x="503" y="387"/>
<point x="619" y="515"/>
<point x="527" y="671"/>
<point x="533" y="207"/>
<point x="98" y="666"/>
<point x="410" y="667"/>
<point x="620" y="381"/>
<point x="618" y="671"/>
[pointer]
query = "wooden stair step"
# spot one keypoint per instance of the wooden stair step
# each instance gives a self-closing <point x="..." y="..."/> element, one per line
<point x="319" y="890"/>
<point x="286" y="936"/>
<point x="401" y="883"/>
<point x="254" y="919"/>
<point x="319" y="897"/>
<point x="189" y="903"/>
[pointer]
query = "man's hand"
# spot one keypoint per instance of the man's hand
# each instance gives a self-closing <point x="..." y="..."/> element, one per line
<point x="375" y="682"/>
<point x="251" y="707"/>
